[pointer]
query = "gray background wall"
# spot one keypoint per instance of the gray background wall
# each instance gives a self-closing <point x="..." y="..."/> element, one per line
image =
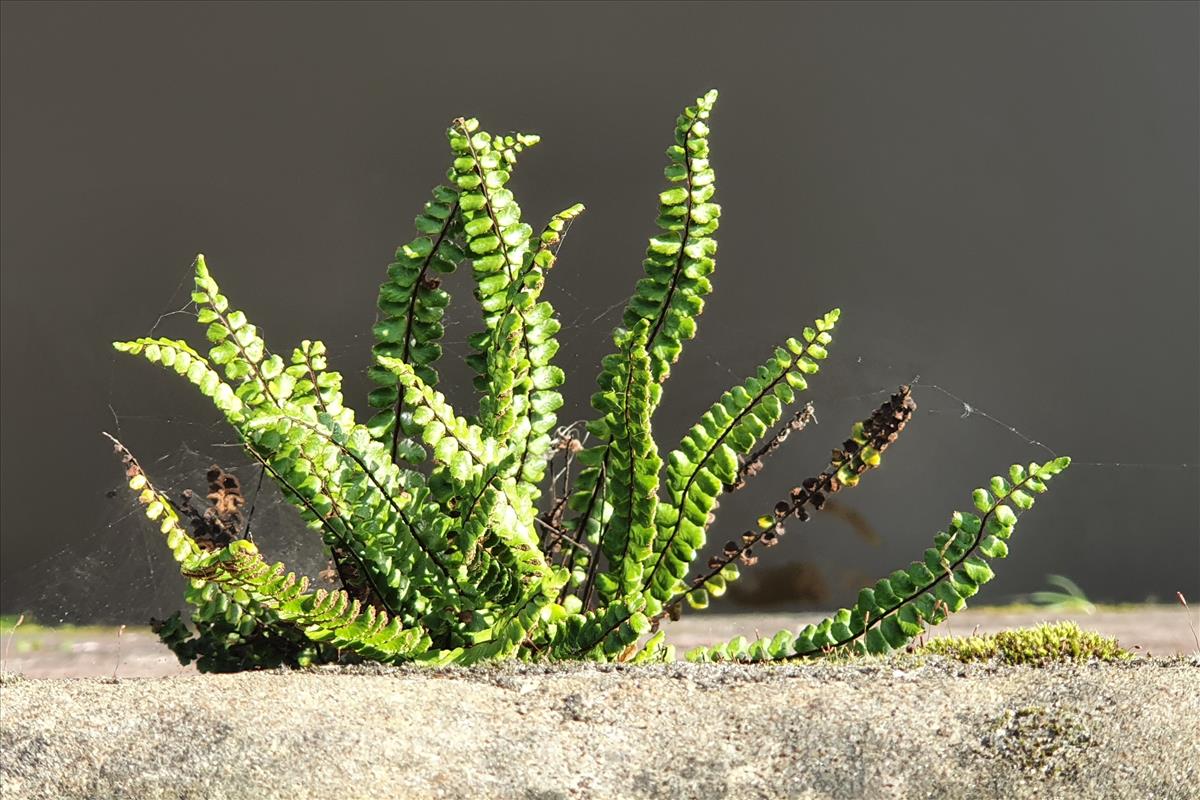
<point x="1001" y="197"/>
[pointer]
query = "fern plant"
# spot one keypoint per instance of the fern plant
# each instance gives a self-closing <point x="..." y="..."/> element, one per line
<point x="448" y="536"/>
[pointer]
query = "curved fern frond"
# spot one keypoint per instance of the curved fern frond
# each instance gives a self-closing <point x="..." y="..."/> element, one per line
<point x="411" y="307"/>
<point x="487" y="501"/>
<point x="633" y="467"/>
<point x="179" y="356"/>
<point x="681" y="256"/>
<point x="513" y="628"/>
<point x="601" y="634"/>
<point x="332" y="618"/>
<point x="262" y="381"/>
<point x="900" y="607"/>
<point x="313" y="470"/>
<point x="318" y="505"/>
<point x="667" y="301"/>
<point x="317" y="388"/>
<point x="862" y="452"/>
<point x="707" y="458"/>
<point x="257" y="376"/>
<point x="462" y="448"/>
<point x="537" y="417"/>
<point x="412" y="303"/>
<point x="497" y="241"/>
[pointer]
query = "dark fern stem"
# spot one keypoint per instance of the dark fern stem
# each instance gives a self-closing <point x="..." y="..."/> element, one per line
<point x="878" y="432"/>
<point x="754" y="464"/>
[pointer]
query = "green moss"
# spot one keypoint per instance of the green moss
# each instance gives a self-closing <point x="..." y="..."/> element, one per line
<point x="1046" y="643"/>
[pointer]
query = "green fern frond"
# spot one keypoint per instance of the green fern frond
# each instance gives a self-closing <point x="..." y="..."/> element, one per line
<point x="903" y="605"/>
<point x="257" y="376"/>
<point x="179" y="356"/>
<point x="667" y="301"/>
<point x="603" y="634"/>
<point x="633" y="467"/>
<point x="707" y="458"/>
<point x="461" y="447"/>
<point x="543" y="400"/>
<point x="332" y="618"/>
<point x="278" y="419"/>
<point x="497" y="241"/>
<point x="412" y="305"/>
<point x="681" y="256"/>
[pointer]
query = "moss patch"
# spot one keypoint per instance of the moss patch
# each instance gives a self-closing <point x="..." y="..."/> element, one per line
<point x="1043" y="644"/>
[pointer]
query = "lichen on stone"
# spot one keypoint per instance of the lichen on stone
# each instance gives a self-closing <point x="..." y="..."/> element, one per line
<point x="1038" y="740"/>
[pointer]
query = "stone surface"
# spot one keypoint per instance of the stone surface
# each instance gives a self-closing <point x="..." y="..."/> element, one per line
<point x="879" y="729"/>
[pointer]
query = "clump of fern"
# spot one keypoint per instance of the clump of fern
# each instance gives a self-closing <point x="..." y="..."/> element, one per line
<point x="435" y="516"/>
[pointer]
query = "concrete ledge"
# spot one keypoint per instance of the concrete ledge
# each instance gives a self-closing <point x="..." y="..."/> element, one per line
<point x="894" y="729"/>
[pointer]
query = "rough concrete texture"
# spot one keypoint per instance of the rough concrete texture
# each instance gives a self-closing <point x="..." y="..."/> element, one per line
<point x="892" y="729"/>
